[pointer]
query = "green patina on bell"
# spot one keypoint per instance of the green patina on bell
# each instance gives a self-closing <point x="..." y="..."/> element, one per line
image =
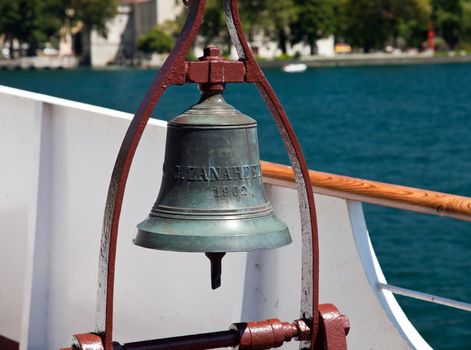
<point x="212" y="197"/>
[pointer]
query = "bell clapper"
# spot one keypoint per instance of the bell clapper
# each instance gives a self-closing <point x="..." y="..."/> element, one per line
<point x="216" y="269"/>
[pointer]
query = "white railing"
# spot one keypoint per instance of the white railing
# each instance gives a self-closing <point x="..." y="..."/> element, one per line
<point x="425" y="297"/>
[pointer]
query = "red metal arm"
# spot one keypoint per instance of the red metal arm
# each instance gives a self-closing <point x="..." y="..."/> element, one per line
<point x="170" y="73"/>
<point x="310" y="241"/>
<point x="213" y="70"/>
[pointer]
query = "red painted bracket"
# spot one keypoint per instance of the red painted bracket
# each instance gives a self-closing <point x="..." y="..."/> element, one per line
<point x="271" y="334"/>
<point x="215" y="71"/>
<point x="260" y="335"/>
<point x="334" y="329"/>
<point x="211" y="68"/>
<point x="87" y="341"/>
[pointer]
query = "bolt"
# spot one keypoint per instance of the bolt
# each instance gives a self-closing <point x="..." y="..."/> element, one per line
<point x="212" y="51"/>
<point x="304" y="332"/>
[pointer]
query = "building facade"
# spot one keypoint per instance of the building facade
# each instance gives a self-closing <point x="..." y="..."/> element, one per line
<point x="134" y="18"/>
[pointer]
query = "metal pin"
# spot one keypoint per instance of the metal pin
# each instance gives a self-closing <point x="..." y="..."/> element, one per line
<point x="216" y="268"/>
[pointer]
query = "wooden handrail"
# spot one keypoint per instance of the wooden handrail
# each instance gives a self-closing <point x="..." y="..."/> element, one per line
<point x="373" y="192"/>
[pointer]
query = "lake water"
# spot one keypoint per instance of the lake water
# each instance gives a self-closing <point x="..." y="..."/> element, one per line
<point x="407" y="125"/>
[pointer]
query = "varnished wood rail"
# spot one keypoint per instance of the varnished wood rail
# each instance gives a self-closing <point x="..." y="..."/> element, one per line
<point x="373" y="192"/>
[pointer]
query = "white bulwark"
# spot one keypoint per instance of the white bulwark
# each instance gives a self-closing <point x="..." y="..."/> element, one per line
<point x="56" y="159"/>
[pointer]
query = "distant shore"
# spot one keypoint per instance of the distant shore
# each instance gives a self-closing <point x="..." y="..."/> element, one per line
<point x="379" y="59"/>
<point x="348" y="60"/>
<point x="39" y="62"/>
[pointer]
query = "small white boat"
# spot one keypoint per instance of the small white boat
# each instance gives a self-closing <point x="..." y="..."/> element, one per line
<point x="294" y="68"/>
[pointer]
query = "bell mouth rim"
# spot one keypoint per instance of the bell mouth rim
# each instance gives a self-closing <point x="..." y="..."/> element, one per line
<point x="208" y="214"/>
<point x="211" y="126"/>
<point x="206" y="249"/>
<point x="177" y="235"/>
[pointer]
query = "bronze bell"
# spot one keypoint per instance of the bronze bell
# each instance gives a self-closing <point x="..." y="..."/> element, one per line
<point x="212" y="197"/>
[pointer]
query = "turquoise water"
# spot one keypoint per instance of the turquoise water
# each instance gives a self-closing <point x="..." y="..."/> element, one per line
<point x="400" y="124"/>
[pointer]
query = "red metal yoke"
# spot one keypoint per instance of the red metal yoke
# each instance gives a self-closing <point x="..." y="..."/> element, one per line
<point x="320" y="326"/>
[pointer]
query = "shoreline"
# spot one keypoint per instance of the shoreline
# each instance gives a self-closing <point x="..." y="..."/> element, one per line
<point x="369" y="60"/>
<point x="349" y="60"/>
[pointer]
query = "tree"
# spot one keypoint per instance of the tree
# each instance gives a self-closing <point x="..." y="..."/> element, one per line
<point x="364" y="23"/>
<point x="466" y="20"/>
<point x="88" y="15"/>
<point x="156" y="40"/>
<point x="409" y="20"/>
<point x="92" y="13"/>
<point x="315" y="19"/>
<point x="28" y="21"/>
<point x="213" y="25"/>
<point x="271" y="17"/>
<point x="36" y="21"/>
<point x="8" y="20"/>
<point x="255" y="16"/>
<point x="281" y="13"/>
<point x="447" y="17"/>
<point x="370" y="23"/>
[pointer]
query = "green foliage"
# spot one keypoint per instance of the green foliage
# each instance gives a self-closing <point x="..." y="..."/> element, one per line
<point x="156" y="40"/>
<point x="266" y="14"/>
<point x="9" y="13"/>
<point x="255" y="16"/>
<point x="31" y="21"/>
<point x="315" y="19"/>
<point x="9" y="18"/>
<point x="368" y="24"/>
<point x="191" y="56"/>
<point x="271" y="17"/>
<point x="282" y="13"/>
<point x="412" y="24"/>
<point x="284" y="57"/>
<point x="447" y="16"/>
<point x="466" y="21"/>
<point x="371" y="23"/>
<point x="214" y="22"/>
<point x="364" y="24"/>
<point x="37" y="21"/>
<point x="411" y="33"/>
<point x="440" y="44"/>
<point x="92" y="13"/>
